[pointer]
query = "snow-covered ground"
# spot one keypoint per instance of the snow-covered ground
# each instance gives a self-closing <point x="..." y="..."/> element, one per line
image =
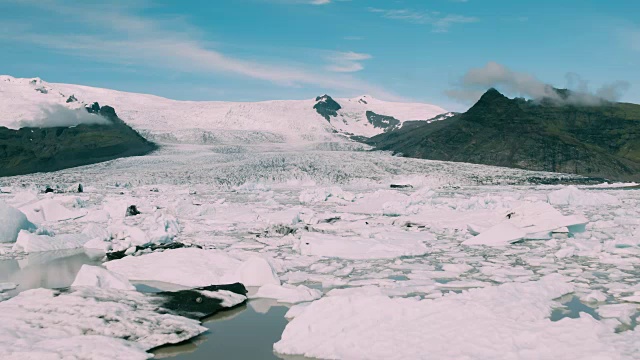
<point x="391" y="270"/>
<point x="25" y="101"/>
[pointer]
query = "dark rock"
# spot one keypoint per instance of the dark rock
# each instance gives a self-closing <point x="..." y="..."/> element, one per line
<point x="132" y="210"/>
<point x="401" y="186"/>
<point x="385" y="122"/>
<point x="326" y="107"/>
<point x="80" y="188"/>
<point x="48" y="190"/>
<point x="94" y="108"/>
<point x="71" y="99"/>
<point x="193" y="304"/>
<point x="42" y="90"/>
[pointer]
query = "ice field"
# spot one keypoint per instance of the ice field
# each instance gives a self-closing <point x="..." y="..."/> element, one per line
<point x="470" y="262"/>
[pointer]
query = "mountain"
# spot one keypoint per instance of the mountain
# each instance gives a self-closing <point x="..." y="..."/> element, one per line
<point x="600" y="140"/>
<point x="164" y="120"/>
<point x="34" y="149"/>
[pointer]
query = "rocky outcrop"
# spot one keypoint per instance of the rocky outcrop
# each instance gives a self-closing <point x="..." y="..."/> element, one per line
<point x="31" y="149"/>
<point x="326" y="107"/>
<point x="597" y="141"/>
<point x="385" y="122"/>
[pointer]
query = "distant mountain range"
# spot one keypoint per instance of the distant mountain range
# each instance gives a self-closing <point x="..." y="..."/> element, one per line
<point x="600" y="140"/>
<point x="159" y="119"/>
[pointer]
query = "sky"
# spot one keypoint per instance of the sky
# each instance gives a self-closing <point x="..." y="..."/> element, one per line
<point x="252" y="50"/>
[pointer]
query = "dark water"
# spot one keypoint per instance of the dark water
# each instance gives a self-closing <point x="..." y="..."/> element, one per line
<point x="240" y="333"/>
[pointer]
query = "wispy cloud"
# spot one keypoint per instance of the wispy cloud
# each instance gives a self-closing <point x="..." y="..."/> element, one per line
<point x="117" y="34"/>
<point x="440" y="22"/>
<point x="346" y="61"/>
<point x="477" y="80"/>
<point x="353" y="38"/>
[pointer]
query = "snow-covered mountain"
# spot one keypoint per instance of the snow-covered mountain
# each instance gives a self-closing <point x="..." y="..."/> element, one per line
<point x="161" y="119"/>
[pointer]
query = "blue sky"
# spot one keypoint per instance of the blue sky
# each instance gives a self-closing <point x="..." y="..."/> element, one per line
<point x="247" y="50"/>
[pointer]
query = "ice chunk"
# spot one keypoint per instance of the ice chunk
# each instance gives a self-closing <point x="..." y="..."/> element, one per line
<point x="187" y="266"/>
<point x="28" y="242"/>
<point x="356" y="247"/>
<point x="12" y="221"/>
<point x="377" y="327"/>
<point x="571" y="195"/>
<point x="49" y="324"/>
<point x="7" y="286"/>
<point x="98" y="244"/>
<point x="100" y="277"/>
<point x="256" y="271"/>
<point x="536" y="220"/>
<point x="51" y="211"/>
<point x="322" y="195"/>
<point x="229" y="298"/>
<point x="195" y="267"/>
<point x="502" y="234"/>
<point x="95" y="231"/>
<point x="288" y="293"/>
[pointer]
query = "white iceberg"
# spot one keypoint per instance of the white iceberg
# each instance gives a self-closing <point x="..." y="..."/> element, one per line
<point x="49" y="210"/>
<point x="357" y="247"/>
<point x="535" y="220"/>
<point x="194" y="267"/>
<point x="29" y="242"/>
<point x="287" y="293"/>
<point x="12" y="221"/>
<point x="571" y="195"/>
<point x="88" y="323"/>
<point x="97" y="276"/>
<point x="499" y="322"/>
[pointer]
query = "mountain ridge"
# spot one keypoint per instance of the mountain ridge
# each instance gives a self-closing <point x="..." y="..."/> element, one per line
<point x="592" y="140"/>
<point x="157" y="117"/>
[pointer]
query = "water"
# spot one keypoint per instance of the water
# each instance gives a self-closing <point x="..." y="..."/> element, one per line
<point x="240" y="333"/>
<point x="51" y="269"/>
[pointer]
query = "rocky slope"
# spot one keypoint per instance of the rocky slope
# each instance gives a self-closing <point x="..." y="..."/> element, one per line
<point x="597" y="141"/>
<point x="35" y="149"/>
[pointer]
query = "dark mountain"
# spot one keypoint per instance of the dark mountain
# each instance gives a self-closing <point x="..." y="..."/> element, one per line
<point x="326" y="107"/>
<point x="30" y="150"/>
<point x="596" y="141"/>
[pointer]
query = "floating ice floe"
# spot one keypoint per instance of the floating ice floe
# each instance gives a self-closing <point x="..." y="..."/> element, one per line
<point x="29" y="242"/>
<point x="12" y="221"/>
<point x="334" y="194"/>
<point x="535" y="220"/>
<point x="194" y="267"/>
<point x="517" y="314"/>
<point x="571" y="195"/>
<point x="88" y="323"/>
<point x="97" y="276"/>
<point x="49" y="210"/>
<point x="288" y="293"/>
<point x="356" y="247"/>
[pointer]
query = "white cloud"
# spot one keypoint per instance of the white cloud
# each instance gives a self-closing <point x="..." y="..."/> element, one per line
<point x="320" y="2"/>
<point x="346" y="61"/>
<point x="440" y="22"/>
<point x="116" y="34"/>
